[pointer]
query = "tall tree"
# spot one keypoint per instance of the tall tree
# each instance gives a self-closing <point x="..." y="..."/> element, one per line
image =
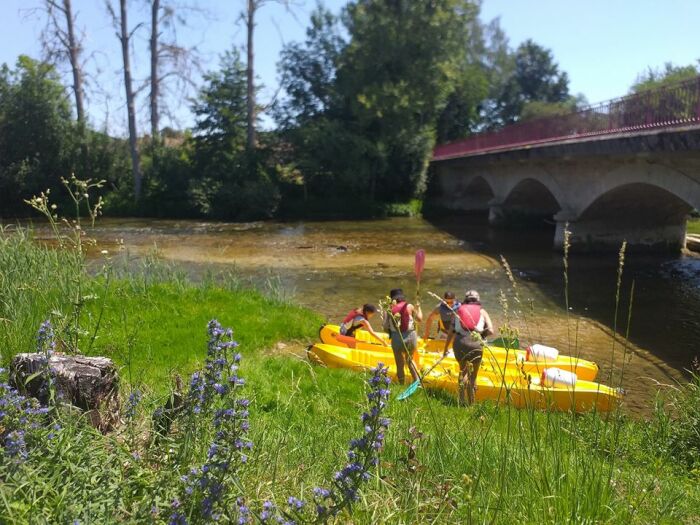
<point x="226" y="185"/>
<point x="308" y="72"/>
<point x="37" y="133"/>
<point x="171" y="63"/>
<point x="248" y="16"/>
<point x="397" y="73"/>
<point x="61" y="43"/>
<point x="125" y="35"/>
<point x="155" y="76"/>
<point x="535" y="78"/>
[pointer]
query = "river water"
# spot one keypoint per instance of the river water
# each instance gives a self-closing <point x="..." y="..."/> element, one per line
<point x="334" y="266"/>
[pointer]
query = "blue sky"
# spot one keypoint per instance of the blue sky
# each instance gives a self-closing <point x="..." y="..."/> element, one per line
<point x="602" y="44"/>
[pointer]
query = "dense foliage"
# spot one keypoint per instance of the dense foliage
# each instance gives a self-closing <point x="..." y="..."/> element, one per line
<point x="364" y="99"/>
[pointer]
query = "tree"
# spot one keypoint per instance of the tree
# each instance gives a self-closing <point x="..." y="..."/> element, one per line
<point x="61" y="44"/>
<point x="462" y="113"/>
<point x="311" y="115"/>
<point x="308" y="72"/>
<point x="538" y="109"/>
<point x="396" y="75"/>
<point x="252" y="7"/>
<point x="37" y="134"/>
<point x="230" y="184"/>
<point x="666" y="76"/>
<point x="535" y="77"/>
<point x="170" y="61"/>
<point x="125" y="35"/>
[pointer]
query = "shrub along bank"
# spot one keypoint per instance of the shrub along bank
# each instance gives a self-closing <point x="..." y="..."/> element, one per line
<point x="439" y="463"/>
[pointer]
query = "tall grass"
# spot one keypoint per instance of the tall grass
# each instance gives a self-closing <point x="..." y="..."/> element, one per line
<point x="440" y="463"/>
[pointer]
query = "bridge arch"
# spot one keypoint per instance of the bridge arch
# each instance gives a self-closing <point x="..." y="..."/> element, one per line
<point x="477" y="187"/>
<point x="530" y="195"/>
<point x="645" y="215"/>
<point x="640" y="203"/>
<point x="684" y="187"/>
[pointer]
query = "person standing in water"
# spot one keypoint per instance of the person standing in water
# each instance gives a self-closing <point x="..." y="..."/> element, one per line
<point x="358" y="318"/>
<point x="400" y="322"/>
<point x="445" y="313"/>
<point x="470" y="326"/>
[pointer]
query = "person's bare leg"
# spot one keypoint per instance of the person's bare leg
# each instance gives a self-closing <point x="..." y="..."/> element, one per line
<point x="398" y="357"/>
<point x="470" y="378"/>
<point x="461" y="382"/>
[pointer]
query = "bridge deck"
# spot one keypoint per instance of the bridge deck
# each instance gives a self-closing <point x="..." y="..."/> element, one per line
<point x="670" y="108"/>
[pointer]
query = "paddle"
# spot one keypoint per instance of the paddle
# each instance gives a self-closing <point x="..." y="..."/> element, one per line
<point x="414" y="386"/>
<point x="418" y="266"/>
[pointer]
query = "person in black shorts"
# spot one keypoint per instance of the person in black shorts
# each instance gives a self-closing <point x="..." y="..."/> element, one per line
<point x="471" y="324"/>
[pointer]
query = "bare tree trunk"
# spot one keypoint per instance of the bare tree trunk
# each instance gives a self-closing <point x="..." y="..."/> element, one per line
<point x="155" y="79"/>
<point x="250" y="73"/>
<point x="125" y="37"/>
<point x="74" y="57"/>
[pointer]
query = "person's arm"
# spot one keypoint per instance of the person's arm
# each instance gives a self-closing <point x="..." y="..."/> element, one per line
<point x="429" y="322"/>
<point x="367" y="326"/>
<point x="416" y="312"/>
<point x="488" y="325"/>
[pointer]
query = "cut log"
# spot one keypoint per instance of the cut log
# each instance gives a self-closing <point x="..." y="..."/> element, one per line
<point x="88" y="383"/>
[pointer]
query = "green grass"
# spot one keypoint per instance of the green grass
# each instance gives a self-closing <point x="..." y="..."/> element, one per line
<point x="485" y="464"/>
<point x="694" y="226"/>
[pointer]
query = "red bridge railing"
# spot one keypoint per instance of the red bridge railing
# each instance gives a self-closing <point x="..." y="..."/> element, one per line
<point x="668" y="107"/>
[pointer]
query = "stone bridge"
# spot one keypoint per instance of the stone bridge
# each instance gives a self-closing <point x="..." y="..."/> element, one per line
<point x="636" y="182"/>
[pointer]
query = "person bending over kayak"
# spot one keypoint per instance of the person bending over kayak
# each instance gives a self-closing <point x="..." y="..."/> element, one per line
<point x="445" y="312"/>
<point x="358" y="318"/>
<point x="401" y="324"/>
<point x="471" y="324"/>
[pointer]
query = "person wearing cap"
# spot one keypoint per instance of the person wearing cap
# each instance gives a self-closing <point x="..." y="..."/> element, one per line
<point x="400" y="322"/>
<point x="445" y="313"/>
<point x="471" y="325"/>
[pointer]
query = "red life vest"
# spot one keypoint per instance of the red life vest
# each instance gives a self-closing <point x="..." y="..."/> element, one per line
<point x="353" y="313"/>
<point x="402" y="308"/>
<point x="469" y="315"/>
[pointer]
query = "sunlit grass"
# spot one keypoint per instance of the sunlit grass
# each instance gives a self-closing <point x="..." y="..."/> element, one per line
<point x="483" y="464"/>
<point x="694" y="226"/>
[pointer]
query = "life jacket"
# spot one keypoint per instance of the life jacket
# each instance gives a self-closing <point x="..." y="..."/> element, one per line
<point x="402" y="309"/>
<point x="469" y="316"/>
<point x="348" y="326"/>
<point x="447" y="315"/>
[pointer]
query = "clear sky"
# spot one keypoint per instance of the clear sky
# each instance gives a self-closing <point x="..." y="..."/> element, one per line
<point x="602" y="44"/>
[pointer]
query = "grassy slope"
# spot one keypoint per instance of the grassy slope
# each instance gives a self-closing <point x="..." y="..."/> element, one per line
<point x="472" y="465"/>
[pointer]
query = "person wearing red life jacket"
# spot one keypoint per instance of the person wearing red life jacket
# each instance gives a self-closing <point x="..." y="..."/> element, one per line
<point x="358" y="318"/>
<point x="445" y="314"/>
<point x="400" y="322"/>
<point x="472" y="323"/>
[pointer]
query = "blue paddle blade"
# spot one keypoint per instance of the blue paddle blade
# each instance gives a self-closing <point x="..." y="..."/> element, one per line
<point x="409" y="391"/>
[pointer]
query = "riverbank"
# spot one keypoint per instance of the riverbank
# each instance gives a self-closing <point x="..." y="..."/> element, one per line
<point x="694" y="226"/>
<point x="487" y="463"/>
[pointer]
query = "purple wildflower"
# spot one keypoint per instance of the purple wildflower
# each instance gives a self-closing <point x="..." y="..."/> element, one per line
<point x="214" y="391"/>
<point x="131" y="403"/>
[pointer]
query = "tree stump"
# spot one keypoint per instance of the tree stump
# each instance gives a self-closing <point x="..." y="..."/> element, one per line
<point x="88" y="383"/>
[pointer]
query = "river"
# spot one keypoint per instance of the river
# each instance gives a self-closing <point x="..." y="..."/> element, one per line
<point x="334" y="266"/>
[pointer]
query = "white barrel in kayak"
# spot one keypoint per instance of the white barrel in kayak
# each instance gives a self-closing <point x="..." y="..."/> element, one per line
<point x="538" y="352"/>
<point x="558" y="378"/>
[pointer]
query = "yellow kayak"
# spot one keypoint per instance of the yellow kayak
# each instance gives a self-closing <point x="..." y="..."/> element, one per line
<point x="500" y="359"/>
<point x="518" y="390"/>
